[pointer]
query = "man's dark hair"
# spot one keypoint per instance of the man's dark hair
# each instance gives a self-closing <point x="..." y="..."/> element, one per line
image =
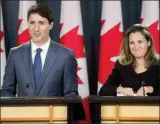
<point x="41" y="9"/>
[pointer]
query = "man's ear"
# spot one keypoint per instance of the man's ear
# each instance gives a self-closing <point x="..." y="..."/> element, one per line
<point x="51" y="25"/>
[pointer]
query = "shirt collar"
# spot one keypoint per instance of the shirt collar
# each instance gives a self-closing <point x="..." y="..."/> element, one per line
<point x="44" y="47"/>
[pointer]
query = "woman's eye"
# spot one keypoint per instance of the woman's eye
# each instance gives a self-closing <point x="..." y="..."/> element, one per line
<point x="140" y="41"/>
<point x="131" y="42"/>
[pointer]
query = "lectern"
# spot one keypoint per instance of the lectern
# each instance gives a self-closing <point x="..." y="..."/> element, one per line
<point x="114" y="109"/>
<point x="38" y="110"/>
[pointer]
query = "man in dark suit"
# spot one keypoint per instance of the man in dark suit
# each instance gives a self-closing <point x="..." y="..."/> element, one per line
<point x="40" y="67"/>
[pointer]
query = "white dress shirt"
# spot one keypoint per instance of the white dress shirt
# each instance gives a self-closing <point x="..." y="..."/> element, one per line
<point x="44" y="51"/>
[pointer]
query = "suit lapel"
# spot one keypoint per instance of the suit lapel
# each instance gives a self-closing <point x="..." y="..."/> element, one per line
<point x="28" y="63"/>
<point x="50" y="59"/>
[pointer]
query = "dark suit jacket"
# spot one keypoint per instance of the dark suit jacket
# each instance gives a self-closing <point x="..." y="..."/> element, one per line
<point x="127" y="77"/>
<point x="58" y="77"/>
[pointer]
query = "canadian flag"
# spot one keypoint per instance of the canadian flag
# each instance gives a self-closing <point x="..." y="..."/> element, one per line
<point x="71" y="36"/>
<point x="2" y="48"/>
<point x="150" y="18"/>
<point x="22" y="21"/>
<point x="111" y="38"/>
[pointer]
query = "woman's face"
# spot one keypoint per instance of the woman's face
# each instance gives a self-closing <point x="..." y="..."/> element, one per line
<point x="138" y="44"/>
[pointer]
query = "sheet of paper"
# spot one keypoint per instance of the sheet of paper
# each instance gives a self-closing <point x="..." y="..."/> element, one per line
<point x="122" y="94"/>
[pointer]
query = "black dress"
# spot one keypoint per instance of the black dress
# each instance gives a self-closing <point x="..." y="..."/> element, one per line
<point x="127" y="77"/>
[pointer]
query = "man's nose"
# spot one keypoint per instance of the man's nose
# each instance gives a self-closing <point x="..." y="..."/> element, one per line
<point x="36" y="27"/>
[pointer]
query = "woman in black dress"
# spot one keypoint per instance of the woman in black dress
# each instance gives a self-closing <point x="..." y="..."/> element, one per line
<point x="137" y="70"/>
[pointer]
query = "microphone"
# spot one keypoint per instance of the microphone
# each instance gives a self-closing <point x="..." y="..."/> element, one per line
<point x="27" y="86"/>
<point x="143" y="84"/>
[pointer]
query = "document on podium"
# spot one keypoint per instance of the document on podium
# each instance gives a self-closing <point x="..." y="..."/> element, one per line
<point x="122" y="94"/>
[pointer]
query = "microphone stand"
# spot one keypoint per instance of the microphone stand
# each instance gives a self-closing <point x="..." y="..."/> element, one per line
<point x="143" y="84"/>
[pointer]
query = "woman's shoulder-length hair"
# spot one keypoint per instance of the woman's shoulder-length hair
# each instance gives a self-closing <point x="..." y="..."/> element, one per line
<point x="127" y="58"/>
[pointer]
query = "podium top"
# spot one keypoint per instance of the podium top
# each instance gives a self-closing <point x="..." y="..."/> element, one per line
<point x="39" y="100"/>
<point x="124" y="99"/>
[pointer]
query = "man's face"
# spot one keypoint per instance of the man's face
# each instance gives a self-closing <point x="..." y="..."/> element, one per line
<point x="39" y="28"/>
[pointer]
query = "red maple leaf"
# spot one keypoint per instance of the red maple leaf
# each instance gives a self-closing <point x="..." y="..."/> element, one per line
<point x="75" y="42"/>
<point x="109" y="47"/>
<point x="24" y="36"/>
<point x="155" y="33"/>
<point x="1" y="37"/>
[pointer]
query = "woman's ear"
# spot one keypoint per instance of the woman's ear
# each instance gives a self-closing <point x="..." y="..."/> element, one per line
<point x="149" y="43"/>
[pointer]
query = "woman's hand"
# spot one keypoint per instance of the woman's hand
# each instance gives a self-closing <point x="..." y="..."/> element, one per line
<point x="147" y="89"/>
<point x="127" y="91"/>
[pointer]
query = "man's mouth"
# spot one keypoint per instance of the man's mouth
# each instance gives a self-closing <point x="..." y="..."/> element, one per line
<point x="36" y="35"/>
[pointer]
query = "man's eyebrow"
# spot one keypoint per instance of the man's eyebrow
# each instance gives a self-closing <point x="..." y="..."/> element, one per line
<point x="31" y="21"/>
<point x="42" y="21"/>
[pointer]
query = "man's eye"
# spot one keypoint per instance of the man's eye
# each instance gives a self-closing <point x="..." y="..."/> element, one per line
<point x="31" y="22"/>
<point x="42" y="23"/>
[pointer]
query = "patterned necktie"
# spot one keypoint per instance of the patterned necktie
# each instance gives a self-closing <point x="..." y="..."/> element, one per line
<point x="37" y="66"/>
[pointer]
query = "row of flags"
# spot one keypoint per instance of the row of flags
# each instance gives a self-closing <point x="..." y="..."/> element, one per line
<point x="71" y="35"/>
